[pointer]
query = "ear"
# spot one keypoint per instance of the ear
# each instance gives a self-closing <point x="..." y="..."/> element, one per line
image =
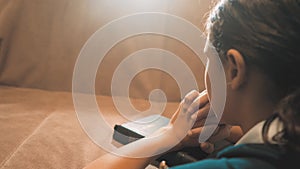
<point x="236" y="69"/>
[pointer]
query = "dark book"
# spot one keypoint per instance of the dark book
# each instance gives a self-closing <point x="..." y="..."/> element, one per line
<point x="132" y="131"/>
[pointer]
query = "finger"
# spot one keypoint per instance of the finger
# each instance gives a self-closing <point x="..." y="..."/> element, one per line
<point x="184" y="104"/>
<point x="204" y="98"/>
<point x="188" y="100"/>
<point x="198" y="124"/>
<point x="163" y="165"/>
<point x="205" y="122"/>
<point x="184" y="122"/>
<point x="207" y="147"/>
<point x="189" y="142"/>
<point x="221" y="133"/>
<point x="203" y="112"/>
<point x="210" y="120"/>
<point x="194" y="133"/>
<point x="197" y="103"/>
<point x="204" y="92"/>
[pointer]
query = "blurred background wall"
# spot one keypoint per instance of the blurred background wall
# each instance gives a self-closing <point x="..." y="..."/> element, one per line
<point x="40" y="41"/>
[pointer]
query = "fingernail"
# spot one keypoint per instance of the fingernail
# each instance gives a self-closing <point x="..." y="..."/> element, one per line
<point x="163" y="165"/>
<point x="189" y="110"/>
<point x="194" y="117"/>
<point x="206" y="146"/>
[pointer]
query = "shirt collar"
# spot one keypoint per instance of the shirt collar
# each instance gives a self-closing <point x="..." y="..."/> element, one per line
<point x="254" y="135"/>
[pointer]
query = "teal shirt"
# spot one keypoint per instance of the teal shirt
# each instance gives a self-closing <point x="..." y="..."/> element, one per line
<point x="244" y="156"/>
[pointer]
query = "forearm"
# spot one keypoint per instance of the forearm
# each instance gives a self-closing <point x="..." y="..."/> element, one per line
<point x="112" y="161"/>
<point x="135" y="155"/>
<point x="140" y="153"/>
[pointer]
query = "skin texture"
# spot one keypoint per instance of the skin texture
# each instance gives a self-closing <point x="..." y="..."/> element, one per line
<point x="245" y="90"/>
<point x="180" y="124"/>
<point x="258" y="30"/>
<point x="246" y="103"/>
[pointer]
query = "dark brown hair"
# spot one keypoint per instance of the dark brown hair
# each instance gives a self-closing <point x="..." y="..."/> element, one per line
<point x="289" y="113"/>
<point x="267" y="34"/>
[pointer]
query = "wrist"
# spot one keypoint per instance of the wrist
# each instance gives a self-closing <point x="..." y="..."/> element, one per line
<point x="166" y="139"/>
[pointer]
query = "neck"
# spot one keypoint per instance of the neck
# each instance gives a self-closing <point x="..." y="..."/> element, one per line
<point x="255" y="112"/>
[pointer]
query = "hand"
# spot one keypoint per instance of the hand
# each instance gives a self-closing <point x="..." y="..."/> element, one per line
<point x="199" y="104"/>
<point x="222" y="132"/>
<point x="181" y="122"/>
<point x="184" y="118"/>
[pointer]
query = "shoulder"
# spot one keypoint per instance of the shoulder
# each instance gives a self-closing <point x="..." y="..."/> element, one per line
<point x="245" y="156"/>
<point x="256" y="151"/>
<point x="225" y="163"/>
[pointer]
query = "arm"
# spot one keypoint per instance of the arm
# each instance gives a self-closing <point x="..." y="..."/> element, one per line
<point x="140" y="153"/>
<point x="114" y="161"/>
<point x="224" y="132"/>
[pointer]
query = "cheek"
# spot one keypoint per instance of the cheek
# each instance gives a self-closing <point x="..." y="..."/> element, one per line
<point x="226" y="117"/>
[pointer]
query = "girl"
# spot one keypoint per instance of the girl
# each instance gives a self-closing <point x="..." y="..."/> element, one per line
<point x="257" y="42"/>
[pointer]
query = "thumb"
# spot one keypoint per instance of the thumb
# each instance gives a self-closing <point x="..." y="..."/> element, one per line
<point x="207" y="147"/>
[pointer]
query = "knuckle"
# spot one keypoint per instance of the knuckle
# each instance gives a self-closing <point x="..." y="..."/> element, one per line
<point x="190" y="110"/>
<point x="187" y="99"/>
<point x="193" y="92"/>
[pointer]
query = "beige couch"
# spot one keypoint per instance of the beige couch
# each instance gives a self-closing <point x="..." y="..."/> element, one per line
<point x="39" y="43"/>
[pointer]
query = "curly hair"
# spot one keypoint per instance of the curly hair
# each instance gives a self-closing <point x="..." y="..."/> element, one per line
<point x="267" y="34"/>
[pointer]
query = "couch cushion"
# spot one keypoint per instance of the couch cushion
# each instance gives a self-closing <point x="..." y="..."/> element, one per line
<point x="42" y="39"/>
<point x="40" y="129"/>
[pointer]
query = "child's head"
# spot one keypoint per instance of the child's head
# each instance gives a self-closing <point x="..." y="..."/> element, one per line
<point x="267" y="35"/>
<point x="258" y="43"/>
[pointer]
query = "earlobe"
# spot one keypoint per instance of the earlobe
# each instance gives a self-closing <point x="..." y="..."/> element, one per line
<point x="236" y="68"/>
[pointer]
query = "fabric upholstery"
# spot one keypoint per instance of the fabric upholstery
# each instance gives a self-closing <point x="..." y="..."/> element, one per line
<point x="41" y="40"/>
<point x="40" y="129"/>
